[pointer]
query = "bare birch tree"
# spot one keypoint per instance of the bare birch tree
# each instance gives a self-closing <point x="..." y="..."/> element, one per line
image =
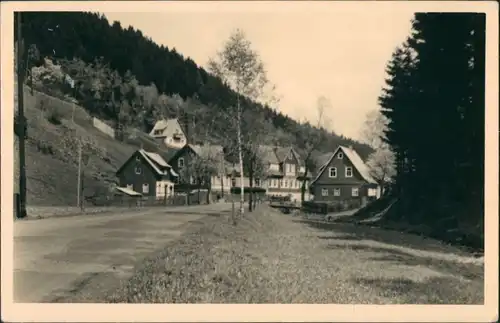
<point x="381" y="163"/>
<point x="311" y="139"/>
<point x="240" y="68"/>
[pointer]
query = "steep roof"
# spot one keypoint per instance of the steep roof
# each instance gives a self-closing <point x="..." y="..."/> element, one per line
<point x="357" y="162"/>
<point x="128" y="191"/>
<point x="208" y="151"/>
<point x="157" y="163"/>
<point x="168" y="126"/>
<point x="154" y="160"/>
<point x="268" y="154"/>
<point x="282" y="152"/>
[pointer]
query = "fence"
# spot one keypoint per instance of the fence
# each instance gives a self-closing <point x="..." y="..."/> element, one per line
<point x="330" y="207"/>
<point x="103" y="127"/>
<point x="194" y="198"/>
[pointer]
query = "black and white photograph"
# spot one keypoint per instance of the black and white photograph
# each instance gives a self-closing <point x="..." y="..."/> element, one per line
<point x="250" y="152"/>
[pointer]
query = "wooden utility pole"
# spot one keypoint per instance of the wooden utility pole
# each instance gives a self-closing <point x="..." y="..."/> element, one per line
<point x="79" y="187"/>
<point x="21" y="120"/>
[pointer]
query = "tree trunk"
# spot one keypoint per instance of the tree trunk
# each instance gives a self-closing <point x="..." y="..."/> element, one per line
<point x="199" y="193"/>
<point x="303" y="186"/>
<point x="250" y="194"/>
<point x="233" y="216"/>
<point x="209" y="190"/>
<point x="240" y="155"/>
<point x="222" y="185"/>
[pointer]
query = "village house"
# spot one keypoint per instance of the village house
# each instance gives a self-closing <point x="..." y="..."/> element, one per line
<point x="205" y="163"/>
<point x="147" y="173"/>
<point x="285" y="172"/>
<point x="170" y="133"/>
<point x="343" y="177"/>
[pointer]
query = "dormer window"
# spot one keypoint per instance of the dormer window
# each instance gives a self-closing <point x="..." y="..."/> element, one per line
<point x="157" y="132"/>
<point x="340" y="155"/>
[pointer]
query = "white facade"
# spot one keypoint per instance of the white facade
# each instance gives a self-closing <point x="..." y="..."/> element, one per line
<point x="171" y="132"/>
<point x="164" y="187"/>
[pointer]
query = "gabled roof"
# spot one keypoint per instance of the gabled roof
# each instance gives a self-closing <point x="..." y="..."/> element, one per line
<point x="282" y="152"/>
<point x="168" y="126"/>
<point x="208" y="151"/>
<point x="357" y="162"/>
<point x="157" y="163"/>
<point x="268" y="154"/>
<point x="276" y="155"/>
<point x="128" y="191"/>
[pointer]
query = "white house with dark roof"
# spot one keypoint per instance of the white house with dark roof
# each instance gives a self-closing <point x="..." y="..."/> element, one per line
<point x="170" y="132"/>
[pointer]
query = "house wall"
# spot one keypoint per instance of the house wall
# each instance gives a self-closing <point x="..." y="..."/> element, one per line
<point x="345" y="192"/>
<point x="345" y="184"/>
<point x="174" y="162"/>
<point x="287" y="184"/>
<point x="164" y="187"/>
<point x="340" y="164"/>
<point x="170" y="142"/>
<point x="127" y="175"/>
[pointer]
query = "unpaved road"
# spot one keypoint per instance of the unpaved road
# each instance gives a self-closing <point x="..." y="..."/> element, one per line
<point x="59" y="256"/>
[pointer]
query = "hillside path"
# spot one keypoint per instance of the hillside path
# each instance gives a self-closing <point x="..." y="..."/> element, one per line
<point x="57" y="256"/>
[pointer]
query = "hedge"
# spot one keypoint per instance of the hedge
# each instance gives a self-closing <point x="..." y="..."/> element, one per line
<point x="237" y="190"/>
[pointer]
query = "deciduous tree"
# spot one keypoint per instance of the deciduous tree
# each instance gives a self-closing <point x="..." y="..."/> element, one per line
<point x="240" y="68"/>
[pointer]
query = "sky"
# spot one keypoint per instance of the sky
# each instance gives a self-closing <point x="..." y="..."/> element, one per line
<point x="339" y="53"/>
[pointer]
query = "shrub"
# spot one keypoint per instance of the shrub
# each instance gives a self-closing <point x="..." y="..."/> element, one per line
<point x="45" y="147"/>
<point x="54" y="116"/>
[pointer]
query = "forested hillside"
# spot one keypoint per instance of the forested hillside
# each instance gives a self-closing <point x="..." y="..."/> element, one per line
<point x="124" y="77"/>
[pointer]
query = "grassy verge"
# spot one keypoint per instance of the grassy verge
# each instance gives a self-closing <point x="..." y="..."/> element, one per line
<point x="273" y="258"/>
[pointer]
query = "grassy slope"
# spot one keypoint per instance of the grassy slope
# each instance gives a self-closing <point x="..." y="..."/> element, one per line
<point x="273" y="258"/>
<point x="52" y="176"/>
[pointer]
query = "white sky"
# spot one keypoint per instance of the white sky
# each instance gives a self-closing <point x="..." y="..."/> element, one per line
<point x="340" y="53"/>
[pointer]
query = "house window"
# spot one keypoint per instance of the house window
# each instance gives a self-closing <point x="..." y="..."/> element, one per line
<point x="332" y="172"/>
<point x="348" y="172"/>
<point x="340" y="155"/>
<point x="257" y="182"/>
<point x="138" y="158"/>
<point x="157" y="131"/>
<point x="233" y="182"/>
<point x="355" y="191"/>
<point x="281" y="183"/>
<point x="145" y="188"/>
<point x="336" y="192"/>
<point x="138" y="170"/>
<point x="180" y="163"/>
<point x="286" y="183"/>
<point x="177" y="180"/>
<point x="324" y="192"/>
